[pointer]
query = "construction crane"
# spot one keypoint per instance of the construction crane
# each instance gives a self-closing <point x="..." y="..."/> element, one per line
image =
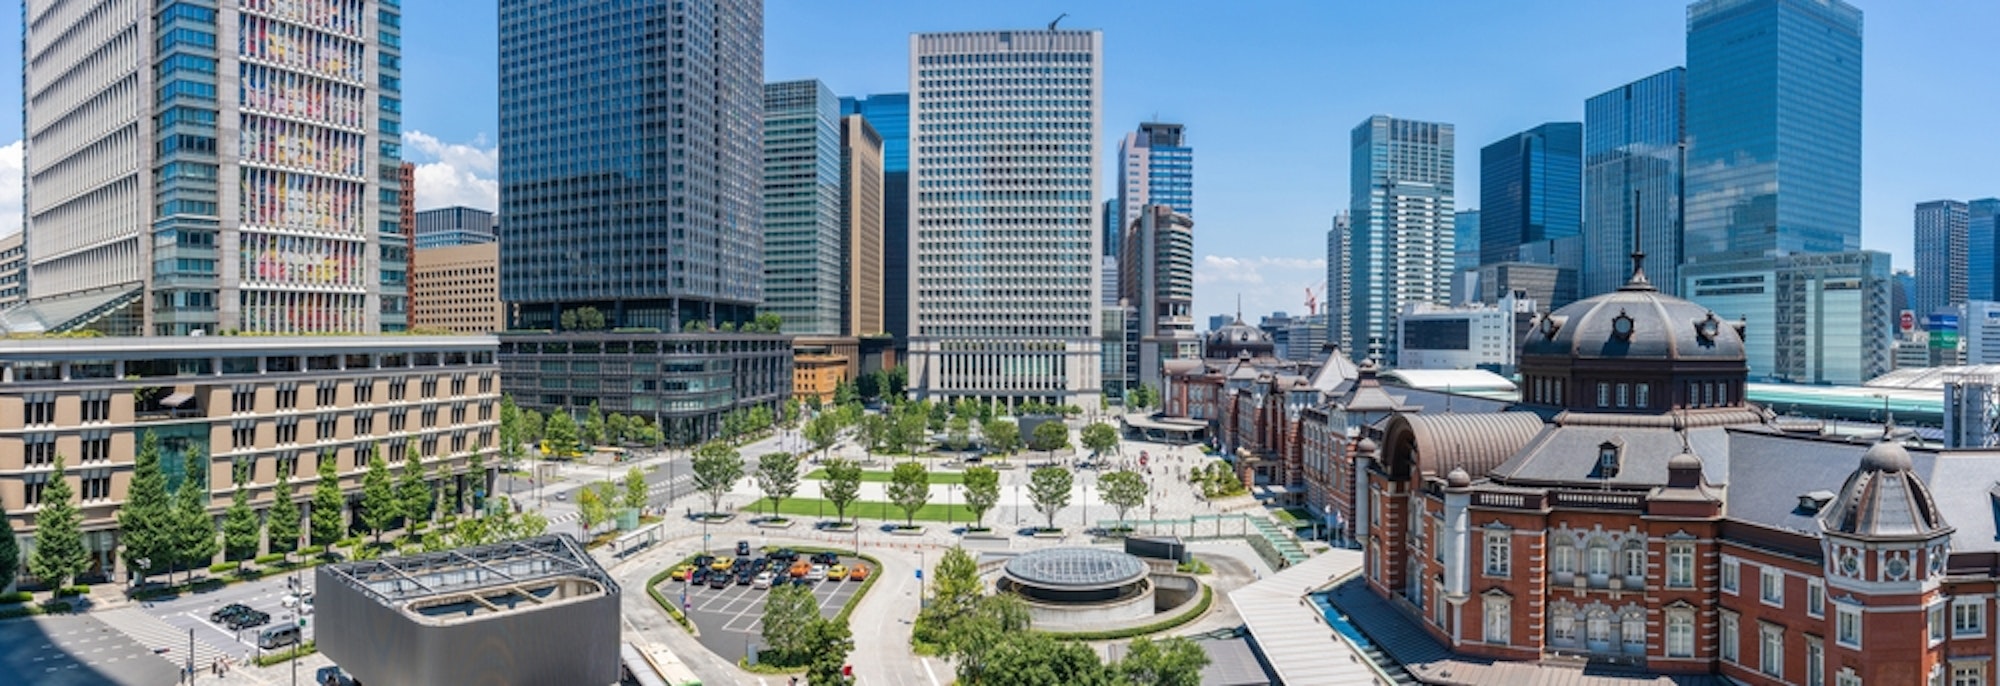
<point x="1312" y="301"/>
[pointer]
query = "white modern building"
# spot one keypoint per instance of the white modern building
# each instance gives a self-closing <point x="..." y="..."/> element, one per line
<point x="1979" y="332"/>
<point x="213" y="166"/>
<point x="1820" y="318"/>
<point x="1155" y="167"/>
<point x="1401" y="248"/>
<point x="1431" y="336"/>
<point x="1158" y="281"/>
<point x="1004" y="242"/>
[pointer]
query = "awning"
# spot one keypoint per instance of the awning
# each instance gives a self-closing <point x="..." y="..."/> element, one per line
<point x="176" y="400"/>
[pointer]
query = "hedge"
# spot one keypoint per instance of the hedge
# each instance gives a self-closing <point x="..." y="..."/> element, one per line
<point x="72" y="591"/>
<point x="1200" y="608"/>
<point x="673" y="610"/>
<point x="268" y="559"/>
<point x="16" y="597"/>
<point x="297" y="651"/>
<point x="221" y="567"/>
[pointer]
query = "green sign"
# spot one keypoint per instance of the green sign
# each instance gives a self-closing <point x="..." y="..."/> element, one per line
<point x="1944" y="340"/>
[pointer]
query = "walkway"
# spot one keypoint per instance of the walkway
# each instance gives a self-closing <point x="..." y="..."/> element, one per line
<point x="1290" y="632"/>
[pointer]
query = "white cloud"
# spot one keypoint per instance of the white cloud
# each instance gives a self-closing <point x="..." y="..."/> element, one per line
<point x="10" y="188"/>
<point x="1251" y="270"/>
<point x="454" y="173"/>
<point x="1260" y="283"/>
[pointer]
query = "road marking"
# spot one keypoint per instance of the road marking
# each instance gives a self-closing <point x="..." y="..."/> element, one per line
<point x="204" y="622"/>
<point x="928" y="672"/>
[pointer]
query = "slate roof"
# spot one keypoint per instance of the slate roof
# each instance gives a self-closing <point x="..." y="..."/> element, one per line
<point x="1566" y="454"/>
<point x="1476" y="442"/>
<point x="1769" y="473"/>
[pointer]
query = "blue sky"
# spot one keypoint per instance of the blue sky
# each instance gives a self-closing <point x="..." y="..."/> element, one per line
<point x="1269" y="91"/>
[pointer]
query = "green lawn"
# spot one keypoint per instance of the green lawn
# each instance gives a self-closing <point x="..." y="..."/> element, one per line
<point x="882" y="477"/>
<point x="866" y="509"/>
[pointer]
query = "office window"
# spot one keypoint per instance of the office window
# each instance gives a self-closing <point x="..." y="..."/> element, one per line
<point x="243" y="434"/>
<point x="430" y="388"/>
<point x="97" y="406"/>
<point x="1771" y="651"/>
<point x="485" y="384"/>
<point x="364" y="424"/>
<point x="430" y="417"/>
<point x="1680" y="632"/>
<point x="1499" y="553"/>
<point x="364" y="391"/>
<point x="1815" y="598"/>
<point x="1603" y="394"/>
<point x="1624" y="395"/>
<point x="1968" y="617"/>
<point x="1730" y="573"/>
<point x="39" y="408"/>
<point x="397" y="418"/>
<point x="1562" y="625"/>
<point x="1563" y="559"/>
<point x="1635" y="559"/>
<point x="288" y="430"/>
<point x="458" y="385"/>
<point x="243" y="399"/>
<point x="96" y="446"/>
<point x="1815" y="662"/>
<point x="1847" y="677"/>
<point x="1680" y="565"/>
<point x="1772" y="586"/>
<point x="288" y="396"/>
<point x="323" y="426"/>
<point x="96" y="485"/>
<point x="1499" y="619"/>
<point x="1644" y="397"/>
<point x="327" y="393"/>
<point x="1934" y="618"/>
<point x="458" y="442"/>
<point x="458" y="414"/>
<point x="1599" y="558"/>
<point x="1726" y="640"/>
<point x="397" y="387"/>
<point x="40" y="449"/>
<point x="1847" y="626"/>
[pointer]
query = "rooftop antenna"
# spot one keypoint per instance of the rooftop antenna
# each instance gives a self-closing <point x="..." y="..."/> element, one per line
<point x="1059" y="18"/>
<point x="1638" y="279"/>
<point x="1239" y="308"/>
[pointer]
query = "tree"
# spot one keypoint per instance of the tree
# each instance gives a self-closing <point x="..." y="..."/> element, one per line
<point x="1175" y="661"/>
<point x="717" y="467"/>
<point x="1124" y="490"/>
<point x="413" y="496"/>
<point x="636" y="489"/>
<point x="982" y="492"/>
<point x="845" y="392"/>
<point x="822" y="431"/>
<point x="511" y="432"/>
<point x="1035" y="658"/>
<point x="1048" y="489"/>
<point x="475" y="466"/>
<point x="1099" y="437"/>
<point x="379" y="504"/>
<point x="533" y="424"/>
<point x="958" y="432"/>
<point x="1145" y="396"/>
<point x="791" y="414"/>
<point x="143" y="522"/>
<point x="562" y="437"/>
<point x="909" y="489"/>
<point x="194" y="529"/>
<point x="842" y="485"/>
<point x="898" y="379"/>
<point x="1002" y="436"/>
<point x="906" y="434"/>
<point x="583" y="319"/>
<point x="591" y="508"/>
<point x="1049" y="437"/>
<point x="617" y="428"/>
<point x="59" y="554"/>
<point x="240" y="530"/>
<point x="282" y="522"/>
<point x="871" y="431"/>
<point x="767" y="322"/>
<point x="10" y="551"/>
<point x="327" y="502"/>
<point x="789" y="614"/>
<point x="778" y="477"/>
<point x="828" y="644"/>
<point x="594" y="430"/>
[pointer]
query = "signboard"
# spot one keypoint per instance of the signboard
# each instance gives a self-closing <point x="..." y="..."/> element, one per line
<point x="1944" y="340"/>
<point x="1908" y="322"/>
<point x="1940" y="321"/>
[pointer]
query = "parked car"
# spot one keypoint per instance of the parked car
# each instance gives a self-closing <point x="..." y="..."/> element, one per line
<point x="816" y="573"/>
<point x="719" y="580"/>
<point x="226" y="611"/>
<point x="800" y="568"/>
<point x="278" y="636"/>
<point x="722" y="564"/>
<point x="763" y="580"/>
<point x="786" y="554"/>
<point x="682" y="572"/>
<point x="858" y="572"/>
<point x="743" y="575"/>
<point x="703" y="560"/>
<point x="742" y="548"/>
<point x="245" y="620"/>
<point x="760" y="564"/>
<point x="836" y="573"/>
<point x="802" y="583"/>
<point x="825" y="558"/>
<point x="700" y="576"/>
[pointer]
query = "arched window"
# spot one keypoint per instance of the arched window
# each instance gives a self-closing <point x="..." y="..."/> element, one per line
<point x="1597" y="626"/>
<point x="1563" y="560"/>
<point x="1562" y="623"/>
<point x="1598" y="561"/>
<point x="1632" y="628"/>
<point x="1634" y="559"/>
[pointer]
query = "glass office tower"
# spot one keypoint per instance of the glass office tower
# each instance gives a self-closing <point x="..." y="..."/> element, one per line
<point x="631" y="160"/>
<point x="207" y="167"/>
<point x="1634" y="143"/>
<point x="802" y="234"/>
<point x="1530" y="189"/>
<point x="1004" y="243"/>
<point x="1156" y="167"/>
<point x="1774" y="128"/>
<point x="889" y="114"/>
<point x="1982" y="249"/>
<point x="1401" y="250"/>
<point x="1940" y="247"/>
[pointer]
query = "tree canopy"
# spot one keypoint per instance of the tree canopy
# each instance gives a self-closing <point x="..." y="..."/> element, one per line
<point x="1048" y="489"/>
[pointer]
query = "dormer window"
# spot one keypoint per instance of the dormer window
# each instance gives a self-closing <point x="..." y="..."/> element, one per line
<point x="1608" y="455"/>
<point x="1708" y="328"/>
<point x="1621" y="326"/>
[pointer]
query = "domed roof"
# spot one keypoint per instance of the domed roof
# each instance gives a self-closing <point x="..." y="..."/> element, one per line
<point x="1230" y="342"/>
<point x="1884" y="498"/>
<point x="1634" y="322"/>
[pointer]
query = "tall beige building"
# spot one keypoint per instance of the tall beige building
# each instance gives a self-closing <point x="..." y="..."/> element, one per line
<point x="861" y="224"/>
<point x="457" y="289"/>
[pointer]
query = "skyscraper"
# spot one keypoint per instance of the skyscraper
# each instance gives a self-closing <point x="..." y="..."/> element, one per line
<point x="1336" y="298"/>
<point x="861" y="225"/>
<point x="1530" y="189"/>
<point x="1634" y="143"/>
<point x="1401" y="196"/>
<point x="802" y="223"/>
<point x="1982" y="249"/>
<point x="1004" y="243"/>
<point x="629" y="182"/>
<point x="1158" y="270"/>
<point x="1464" y="254"/>
<point x="889" y="114"/>
<point x="1941" y="255"/>
<point x="178" y="183"/>
<point x="1774" y="128"/>
<point x="449" y="226"/>
<point x="1155" y="167"/>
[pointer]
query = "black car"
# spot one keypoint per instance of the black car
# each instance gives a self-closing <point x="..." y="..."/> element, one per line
<point x="743" y="575"/>
<point x="759" y="565"/>
<point x="801" y="581"/>
<point x="718" y="580"/>
<point x="225" y="612"/>
<point x="703" y="561"/>
<point x="825" y="558"/>
<point x="248" y="620"/>
<point x="700" y="576"/>
<point x="784" y="554"/>
<point x="742" y="548"/>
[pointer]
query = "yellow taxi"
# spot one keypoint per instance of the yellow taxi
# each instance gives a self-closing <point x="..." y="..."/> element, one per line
<point x="722" y="564"/>
<point x="682" y="572"/>
<point x="836" y="573"/>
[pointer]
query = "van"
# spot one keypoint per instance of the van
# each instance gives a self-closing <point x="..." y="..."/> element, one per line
<point x="278" y="636"/>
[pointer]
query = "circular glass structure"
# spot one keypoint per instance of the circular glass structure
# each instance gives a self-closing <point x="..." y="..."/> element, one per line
<point x="1075" y="575"/>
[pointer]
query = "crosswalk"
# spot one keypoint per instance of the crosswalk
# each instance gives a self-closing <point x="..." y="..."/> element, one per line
<point x="153" y="633"/>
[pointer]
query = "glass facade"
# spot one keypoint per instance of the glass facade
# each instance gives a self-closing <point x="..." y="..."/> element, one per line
<point x="1634" y="142"/>
<point x="1820" y="318"/>
<point x="889" y="113"/>
<point x="1530" y="189"/>
<point x="1941" y="255"/>
<point x="445" y="227"/>
<point x="1982" y="249"/>
<point x="802" y="234"/>
<point x="1402" y="243"/>
<point x="1156" y="167"/>
<point x="631" y="160"/>
<point x="1774" y="128"/>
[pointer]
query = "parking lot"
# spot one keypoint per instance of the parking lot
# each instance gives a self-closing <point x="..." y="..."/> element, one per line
<point x="731" y="618"/>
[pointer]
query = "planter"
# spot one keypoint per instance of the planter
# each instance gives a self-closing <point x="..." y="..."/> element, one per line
<point x="1051" y="534"/>
<point x="716" y="517"/>
<point x="907" y="531"/>
<point x="984" y="535"/>
<point x="769" y="524"/>
<point x="844" y="527"/>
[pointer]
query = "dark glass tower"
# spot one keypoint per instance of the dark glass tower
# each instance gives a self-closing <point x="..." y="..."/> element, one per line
<point x="1530" y="189"/>
<point x="631" y="160"/>
<point x="1633" y="141"/>
<point x="889" y="113"/>
<point x="1774" y="128"/>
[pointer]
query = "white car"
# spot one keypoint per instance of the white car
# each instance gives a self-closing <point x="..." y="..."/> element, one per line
<point x="817" y="573"/>
<point x="763" y="580"/>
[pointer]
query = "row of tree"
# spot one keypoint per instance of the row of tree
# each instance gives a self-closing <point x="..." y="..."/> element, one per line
<point x="990" y="642"/>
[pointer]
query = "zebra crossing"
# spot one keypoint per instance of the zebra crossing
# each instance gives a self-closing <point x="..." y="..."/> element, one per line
<point x="154" y="634"/>
<point x="654" y="493"/>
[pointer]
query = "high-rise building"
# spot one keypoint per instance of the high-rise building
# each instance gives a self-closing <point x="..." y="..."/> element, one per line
<point x="1402" y="246"/>
<point x="13" y="269"/>
<point x="889" y="114"/>
<point x="457" y="288"/>
<point x="1465" y="249"/>
<point x="1336" y="297"/>
<point x="1155" y="167"/>
<point x="1809" y="318"/>
<point x="448" y="226"/>
<point x="648" y="205"/>
<point x="802" y="235"/>
<point x="1940" y="244"/>
<point x="1530" y="189"/>
<point x="1982" y="249"/>
<point x="1634" y="143"/>
<point x="1003" y="237"/>
<point x="180" y="183"/>
<point x="1773" y="128"/>
<point x="1157" y="279"/>
<point x="861" y="226"/>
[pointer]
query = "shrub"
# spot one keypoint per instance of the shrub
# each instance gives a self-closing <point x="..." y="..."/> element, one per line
<point x="297" y="651"/>
<point x="72" y="591"/>
<point x="272" y="558"/>
<point x="222" y="567"/>
<point x="16" y="597"/>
